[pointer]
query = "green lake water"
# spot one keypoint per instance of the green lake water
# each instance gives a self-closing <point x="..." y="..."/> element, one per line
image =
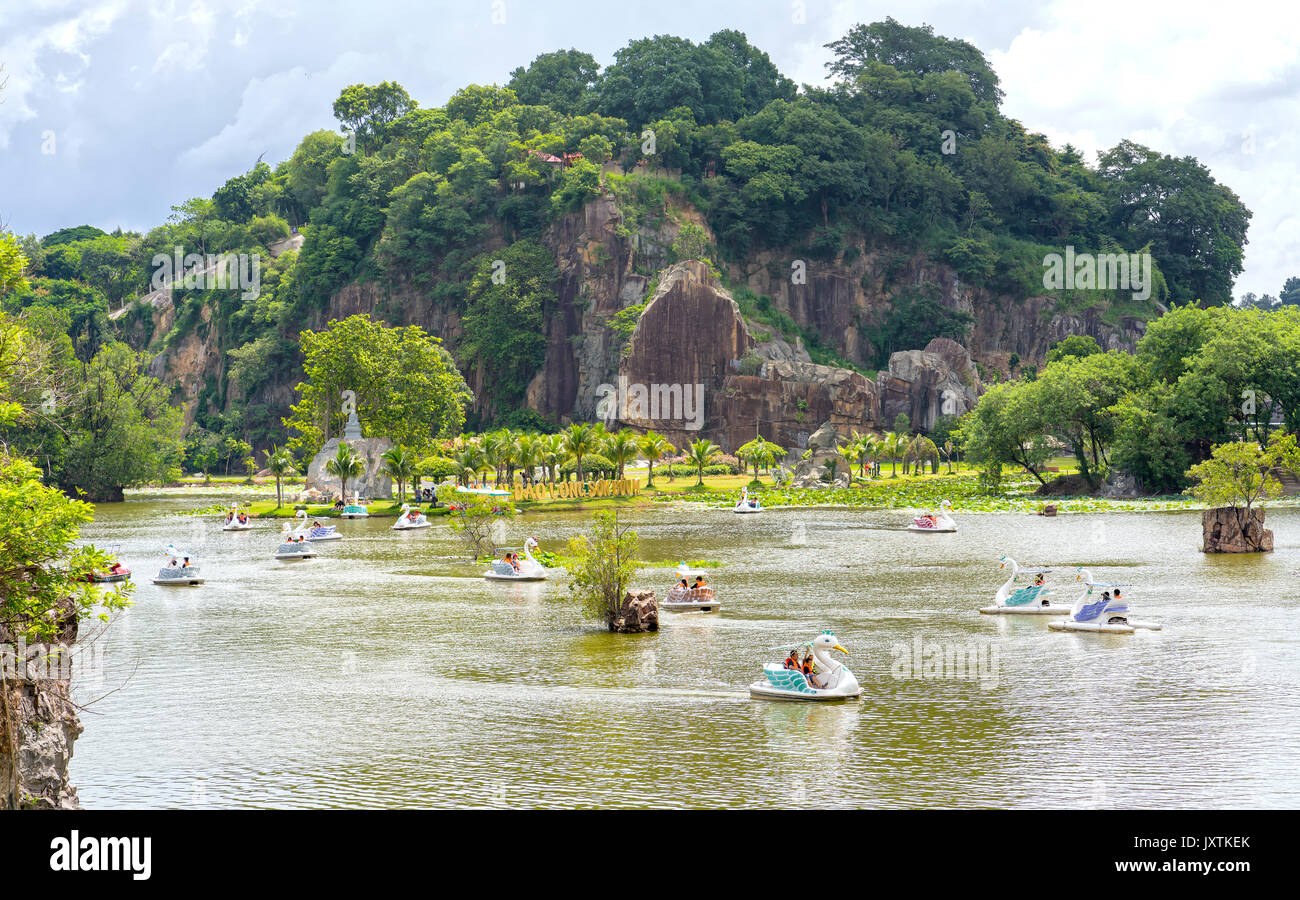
<point x="388" y="673"/>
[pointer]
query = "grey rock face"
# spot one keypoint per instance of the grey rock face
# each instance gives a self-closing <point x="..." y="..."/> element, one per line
<point x="373" y="484"/>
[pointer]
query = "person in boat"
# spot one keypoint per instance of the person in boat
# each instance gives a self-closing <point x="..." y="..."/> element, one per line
<point x="809" y="668"/>
<point x="171" y="563"/>
<point x="315" y="523"/>
<point x="185" y="564"/>
<point x="1039" y="580"/>
<point x="1118" y="595"/>
<point x="792" y="661"/>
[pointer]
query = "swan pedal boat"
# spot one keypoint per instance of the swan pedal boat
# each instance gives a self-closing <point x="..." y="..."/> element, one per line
<point x="529" y="568"/>
<point x="116" y="573"/>
<point x="682" y="599"/>
<point x="938" y="522"/>
<point x="780" y="683"/>
<point x="294" y="550"/>
<point x="745" y="505"/>
<point x="313" y="533"/>
<point x="1025" y="601"/>
<point x="1104" y="615"/>
<point x="233" y="523"/>
<point x="409" y="519"/>
<point x="177" y="575"/>
<point x="354" y="511"/>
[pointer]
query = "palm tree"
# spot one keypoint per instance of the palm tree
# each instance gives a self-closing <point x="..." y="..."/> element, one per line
<point x="552" y="455"/>
<point x="621" y="448"/>
<point x="891" y="446"/>
<point x="527" y="453"/>
<point x="345" y="465"/>
<point x="700" y="453"/>
<point x="399" y="466"/>
<point x="468" y="460"/>
<point x="653" y="448"/>
<point x="852" y="453"/>
<point x="280" y="462"/>
<point x="495" y="445"/>
<point x="580" y="441"/>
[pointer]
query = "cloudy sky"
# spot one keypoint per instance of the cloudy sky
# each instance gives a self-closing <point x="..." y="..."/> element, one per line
<point x="115" y="110"/>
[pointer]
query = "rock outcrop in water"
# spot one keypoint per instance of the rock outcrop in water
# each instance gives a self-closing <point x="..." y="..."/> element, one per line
<point x="1231" y="529"/>
<point x="639" y="612"/>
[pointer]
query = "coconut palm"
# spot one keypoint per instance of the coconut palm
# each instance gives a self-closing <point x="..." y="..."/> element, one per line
<point x="280" y="463"/>
<point x="621" y="448"/>
<point x="891" y="446"/>
<point x="582" y="440"/>
<point x="399" y="466"/>
<point x="468" y="460"/>
<point x="345" y="465"/>
<point x="527" y="454"/>
<point x="495" y="449"/>
<point x="653" y="448"/>
<point x="699" y="454"/>
<point x="552" y="455"/>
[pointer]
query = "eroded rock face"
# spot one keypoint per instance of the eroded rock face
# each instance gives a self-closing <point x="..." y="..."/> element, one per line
<point x="1228" y="529"/>
<point x="43" y="719"/>
<point x="925" y="384"/>
<point x="692" y="333"/>
<point x="372" y="484"/>
<point x="639" y="612"/>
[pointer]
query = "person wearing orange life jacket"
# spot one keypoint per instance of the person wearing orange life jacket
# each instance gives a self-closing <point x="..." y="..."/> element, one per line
<point x="792" y="661"/>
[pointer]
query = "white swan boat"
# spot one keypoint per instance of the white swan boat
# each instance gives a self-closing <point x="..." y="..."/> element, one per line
<point x="237" y="521"/>
<point x="684" y="599"/>
<point x="293" y="548"/>
<point x="529" y="568"/>
<point x="180" y="571"/>
<point x="354" y="510"/>
<point x="1101" y="608"/>
<point x="313" y="533"/>
<point x="1031" y="600"/>
<point x="831" y="681"/>
<point x="936" y="522"/>
<point x="408" y="519"/>
<point x="746" y="505"/>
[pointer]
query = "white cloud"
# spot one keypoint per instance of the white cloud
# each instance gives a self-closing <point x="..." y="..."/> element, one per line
<point x="1185" y="77"/>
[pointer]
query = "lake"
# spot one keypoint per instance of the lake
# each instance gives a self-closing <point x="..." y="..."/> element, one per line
<point x="388" y="673"/>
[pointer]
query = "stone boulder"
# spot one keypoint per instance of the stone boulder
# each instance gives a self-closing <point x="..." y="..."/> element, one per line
<point x="639" y="612"/>
<point x="925" y="384"/>
<point x="1230" y="529"/>
<point x="372" y="484"/>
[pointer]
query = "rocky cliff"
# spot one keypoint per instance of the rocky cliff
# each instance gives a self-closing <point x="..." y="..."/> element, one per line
<point x="38" y="721"/>
<point x="692" y="332"/>
<point x="692" y="340"/>
<point x="836" y="298"/>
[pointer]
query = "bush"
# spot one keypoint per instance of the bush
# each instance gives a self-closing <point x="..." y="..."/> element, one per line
<point x="592" y="464"/>
<point x="436" y="468"/>
<point x="683" y="470"/>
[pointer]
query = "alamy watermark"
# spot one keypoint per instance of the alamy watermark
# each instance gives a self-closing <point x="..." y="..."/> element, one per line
<point x="936" y="659"/>
<point x="654" y="402"/>
<point x="1098" y="272"/>
<point x="211" y="272"/>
